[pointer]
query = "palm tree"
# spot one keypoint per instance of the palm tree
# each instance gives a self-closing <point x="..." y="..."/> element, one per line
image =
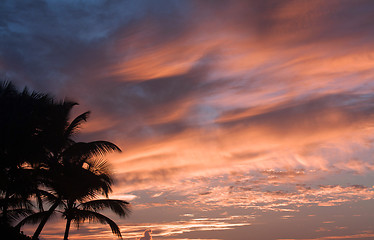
<point x="15" y="200"/>
<point x="25" y="118"/>
<point x="65" y="153"/>
<point x="78" y="213"/>
<point x="37" y="150"/>
<point x="75" y="187"/>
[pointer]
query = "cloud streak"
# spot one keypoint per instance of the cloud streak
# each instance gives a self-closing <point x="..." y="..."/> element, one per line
<point x="203" y="94"/>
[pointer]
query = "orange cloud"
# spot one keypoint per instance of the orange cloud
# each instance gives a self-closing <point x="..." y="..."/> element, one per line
<point x="204" y="99"/>
<point x="165" y="229"/>
<point x="353" y="236"/>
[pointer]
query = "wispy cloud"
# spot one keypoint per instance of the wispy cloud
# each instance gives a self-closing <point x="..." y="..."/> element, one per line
<point x="164" y="229"/>
<point x="354" y="236"/>
<point x="194" y="225"/>
<point x="249" y="104"/>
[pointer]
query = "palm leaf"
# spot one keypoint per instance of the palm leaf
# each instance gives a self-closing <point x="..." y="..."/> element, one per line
<point x="16" y="202"/>
<point x="90" y="149"/>
<point x="98" y="166"/>
<point x="15" y="214"/>
<point x="38" y="96"/>
<point x="119" y="207"/>
<point x="7" y="88"/>
<point x="49" y="197"/>
<point x="34" y="218"/>
<point x="75" y="124"/>
<point x="79" y="183"/>
<point x="83" y="215"/>
<point x="39" y="200"/>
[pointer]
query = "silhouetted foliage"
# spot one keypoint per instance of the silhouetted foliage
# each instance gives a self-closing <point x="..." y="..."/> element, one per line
<point x="25" y="120"/>
<point x="40" y="160"/>
<point x="73" y="188"/>
<point x="12" y="233"/>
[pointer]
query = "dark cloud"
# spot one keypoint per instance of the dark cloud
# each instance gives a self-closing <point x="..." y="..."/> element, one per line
<point x="125" y="61"/>
<point x="205" y="88"/>
<point x="142" y="106"/>
<point x="68" y="49"/>
<point x="148" y="176"/>
<point x="310" y="115"/>
<point x="48" y="44"/>
<point x="295" y="23"/>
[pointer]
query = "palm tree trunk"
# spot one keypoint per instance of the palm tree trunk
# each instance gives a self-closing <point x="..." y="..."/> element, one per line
<point x="44" y="220"/>
<point x="68" y="221"/>
<point x="4" y="219"/>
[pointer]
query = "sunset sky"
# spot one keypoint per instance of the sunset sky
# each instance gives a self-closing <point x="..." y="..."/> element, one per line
<point x="237" y="119"/>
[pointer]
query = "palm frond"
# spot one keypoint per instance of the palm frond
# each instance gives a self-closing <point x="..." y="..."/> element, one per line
<point x="15" y="214"/>
<point x="16" y="202"/>
<point x="83" y="215"/>
<point x="68" y="105"/>
<point x="48" y="196"/>
<point x="7" y="88"/>
<point x="90" y="149"/>
<point x="39" y="200"/>
<point x="119" y="207"/>
<point x="80" y="183"/>
<point x="34" y="218"/>
<point x="38" y="96"/>
<point x="98" y="166"/>
<point x="75" y="124"/>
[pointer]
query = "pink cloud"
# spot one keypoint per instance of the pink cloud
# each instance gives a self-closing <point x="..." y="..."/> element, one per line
<point x="353" y="236"/>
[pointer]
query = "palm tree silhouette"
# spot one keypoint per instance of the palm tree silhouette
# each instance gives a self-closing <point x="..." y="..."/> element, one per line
<point x="23" y="137"/>
<point x="75" y="187"/>
<point x="88" y="211"/>
<point x="80" y="204"/>
<point x="39" y="158"/>
<point x="64" y="171"/>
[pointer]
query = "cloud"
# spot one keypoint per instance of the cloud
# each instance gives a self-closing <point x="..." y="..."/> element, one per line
<point x="353" y="236"/>
<point x="279" y="200"/>
<point x="168" y="229"/>
<point x="159" y="230"/>
<point x="207" y="92"/>
<point x="329" y="133"/>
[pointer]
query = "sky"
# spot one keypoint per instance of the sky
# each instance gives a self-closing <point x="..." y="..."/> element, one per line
<point x="237" y="119"/>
